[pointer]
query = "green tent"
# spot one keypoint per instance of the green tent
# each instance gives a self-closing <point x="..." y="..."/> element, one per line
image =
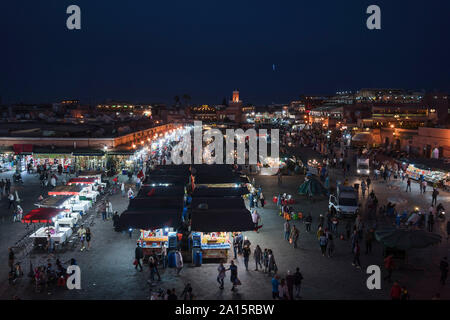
<point x="312" y="187"/>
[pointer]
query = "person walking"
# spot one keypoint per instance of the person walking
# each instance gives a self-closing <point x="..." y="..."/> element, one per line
<point x="434" y="196"/>
<point x="272" y="263"/>
<point x="323" y="241"/>
<point x="279" y="178"/>
<point x="178" y="261"/>
<point x="430" y="222"/>
<point x="444" y="270"/>
<point x="246" y="253"/>
<point x="82" y="234"/>
<point x="389" y="266"/>
<point x="11" y="201"/>
<point x="221" y="275"/>
<point x="153" y="270"/>
<point x="234" y="275"/>
<point x="122" y="188"/>
<point x="235" y="245"/>
<point x="356" y="254"/>
<point x="368" y="182"/>
<point x="257" y="254"/>
<point x="298" y="277"/>
<point x="330" y="245"/>
<point x="283" y="290"/>
<point x="138" y="255"/>
<point x="255" y="218"/>
<point x="287" y="230"/>
<point x="294" y="236"/>
<point x="363" y="188"/>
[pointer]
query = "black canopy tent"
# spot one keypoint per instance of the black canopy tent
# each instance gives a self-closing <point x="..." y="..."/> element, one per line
<point x="221" y="220"/>
<point x="150" y="203"/>
<point x="219" y="192"/>
<point x="218" y="203"/>
<point x="150" y="219"/>
<point x="148" y="190"/>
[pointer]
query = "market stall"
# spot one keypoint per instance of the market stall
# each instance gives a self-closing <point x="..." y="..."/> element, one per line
<point x="71" y="190"/>
<point x="213" y="245"/>
<point x="57" y="202"/>
<point x="48" y="216"/>
<point x="153" y="241"/>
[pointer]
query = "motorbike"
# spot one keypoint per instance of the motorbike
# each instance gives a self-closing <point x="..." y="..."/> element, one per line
<point x="17" y="178"/>
<point x="440" y="212"/>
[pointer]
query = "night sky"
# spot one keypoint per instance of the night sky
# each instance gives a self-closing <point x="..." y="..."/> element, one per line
<point x="150" y="51"/>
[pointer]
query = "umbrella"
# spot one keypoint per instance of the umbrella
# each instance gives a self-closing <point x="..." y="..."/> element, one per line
<point x="407" y="239"/>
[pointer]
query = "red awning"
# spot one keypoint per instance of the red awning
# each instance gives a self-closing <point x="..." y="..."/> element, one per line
<point x="41" y="215"/>
<point x="82" y="181"/>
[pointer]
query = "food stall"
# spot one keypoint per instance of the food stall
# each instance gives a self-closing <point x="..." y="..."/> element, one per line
<point x="439" y="177"/>
<point x="152" y="241"/>
<point x="57" y="202"/>
<point x="214" y="245"/>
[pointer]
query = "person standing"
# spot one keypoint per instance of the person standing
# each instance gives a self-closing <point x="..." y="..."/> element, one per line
<point x="275" y="287"/>
<point x="266" y="260"/>
<point x="246" y="253"/>
<point x="396" y="291"/>
<point x="178" y="261"/>
<point x="294" y="236"/>
<point x="233" y="275"/>
<point x="88" y="238"/>
<point x="138" y="255"/>
<point x="308" y="222"/>
<point x="255" y="219"/>
<point x="287" y="230"/>
<point x="444" y="270"/>
<point x="279" y="178"/>
<point x="261" y="199"/>
<point x="369" y="239"/>
<point x="298" y="277"/>
<point x="290" y="278"/>
<point x="283" y="290"/>
<point x="257" y="254"/>
<point x="430" y="222"/>
<point x="235" y="245"/>
<point x="408" y="185"/>
<point x="164" y="256"/>
<point x="434" y="196"/>
<point x="10" y="259"/>
<point x="122" y="188"/>
<point x="389" y="266"/>
<point x="221" y="270"/>
<point x="368" y="182"/>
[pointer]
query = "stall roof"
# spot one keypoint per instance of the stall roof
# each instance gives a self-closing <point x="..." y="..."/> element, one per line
<point x="150" y="219"/>
<point x="219" y="192"/>
<point x="219" y="203"/>
<point x="140" y="204"/>
<point x="147" y="191"/>
<point x="66" y="190"/>
<point x="82" y="180"/>
<point x="221" y="220"/>
<point x="41" y="215"/>
<point x="170" y="179"/>
<point x="53" y="201"/>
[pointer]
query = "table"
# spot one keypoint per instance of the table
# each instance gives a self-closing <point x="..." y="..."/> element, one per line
<point x="60" y="236"/>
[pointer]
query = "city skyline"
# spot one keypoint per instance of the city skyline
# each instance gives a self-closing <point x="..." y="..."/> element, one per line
<point x="153" y="51"/>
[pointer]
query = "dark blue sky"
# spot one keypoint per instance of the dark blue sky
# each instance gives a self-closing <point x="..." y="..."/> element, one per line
<point x="145" y="50"/>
